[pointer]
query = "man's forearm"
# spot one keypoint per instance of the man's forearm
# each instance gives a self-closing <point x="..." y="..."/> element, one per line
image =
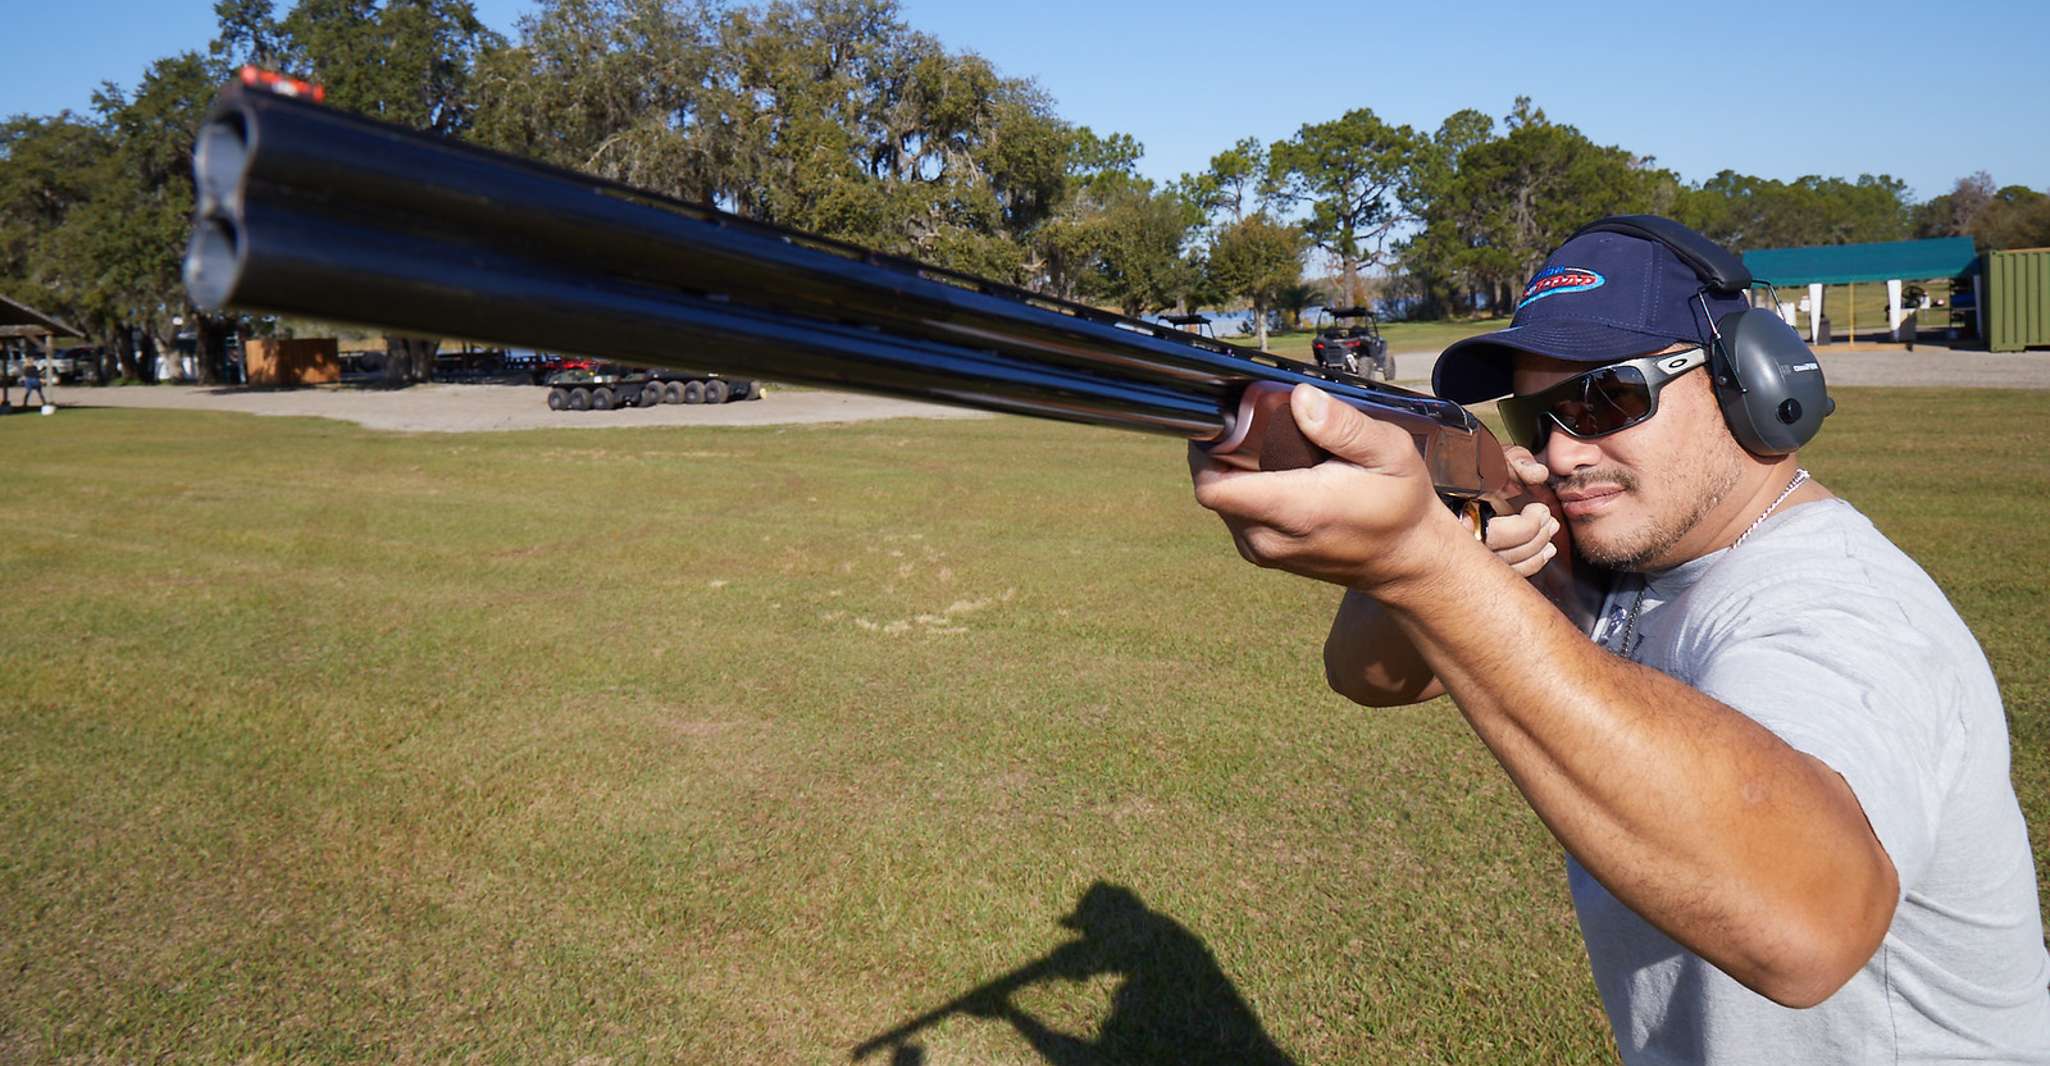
<point x="1752" y="854"/>
<point x="1369" y="660"/>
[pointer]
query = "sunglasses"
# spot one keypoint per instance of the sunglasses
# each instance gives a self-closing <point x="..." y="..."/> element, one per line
<point x="1602" y="401"/>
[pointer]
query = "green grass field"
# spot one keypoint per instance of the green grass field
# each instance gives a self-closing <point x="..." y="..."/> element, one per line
<point x="744" y="746"/>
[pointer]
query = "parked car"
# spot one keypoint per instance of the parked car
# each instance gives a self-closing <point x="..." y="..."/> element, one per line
<point x="66" y="366"/>
<point x="77" y="366"/>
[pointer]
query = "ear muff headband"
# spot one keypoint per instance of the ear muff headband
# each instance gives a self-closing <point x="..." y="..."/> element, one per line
<point x="1711" y="262"/>
<point x="1767" y="381"/>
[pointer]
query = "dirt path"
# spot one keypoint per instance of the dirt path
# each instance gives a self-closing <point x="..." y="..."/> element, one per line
<point x="486" y="408"/>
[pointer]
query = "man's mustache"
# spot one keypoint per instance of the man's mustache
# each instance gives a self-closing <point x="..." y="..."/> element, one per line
<point x="1587" y="479"/>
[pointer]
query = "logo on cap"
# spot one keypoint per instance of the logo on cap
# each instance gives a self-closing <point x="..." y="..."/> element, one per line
<point x="1552" y="281"/>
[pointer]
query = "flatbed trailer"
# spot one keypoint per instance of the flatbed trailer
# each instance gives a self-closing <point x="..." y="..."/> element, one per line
<point x="605" y="386"/>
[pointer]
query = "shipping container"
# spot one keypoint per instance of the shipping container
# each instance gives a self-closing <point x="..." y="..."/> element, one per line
<point x="2014" y="296"/>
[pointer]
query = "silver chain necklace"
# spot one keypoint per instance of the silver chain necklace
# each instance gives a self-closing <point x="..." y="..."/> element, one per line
<point x="1621" y="644"/>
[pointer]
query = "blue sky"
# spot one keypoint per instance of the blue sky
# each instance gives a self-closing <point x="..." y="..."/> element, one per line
<point x="1780" y="90"/>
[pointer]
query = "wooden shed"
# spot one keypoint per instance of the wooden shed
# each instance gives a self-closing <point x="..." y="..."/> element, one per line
<point x="299" y="361"/>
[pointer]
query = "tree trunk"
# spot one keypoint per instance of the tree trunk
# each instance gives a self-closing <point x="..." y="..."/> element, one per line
<point x="125" y="348"/>
<point x="164" y="367"/>
<point x="202" y="339"/>
<point x="1260" y="323"/>
<point x="409" y="359"/>
<point x="210" y="349"/>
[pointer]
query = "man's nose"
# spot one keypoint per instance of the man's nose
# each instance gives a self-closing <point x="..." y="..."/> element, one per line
<point x="1565" y="453"/>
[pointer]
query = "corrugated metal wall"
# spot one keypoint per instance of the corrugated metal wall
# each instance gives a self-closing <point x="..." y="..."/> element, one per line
<point x="2017" y="299"/>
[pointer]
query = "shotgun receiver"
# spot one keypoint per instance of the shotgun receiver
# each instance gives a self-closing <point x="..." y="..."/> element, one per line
<point x="306" y="210"/>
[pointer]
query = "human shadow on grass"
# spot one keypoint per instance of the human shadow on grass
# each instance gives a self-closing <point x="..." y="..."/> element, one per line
<point x="1174" y="1006"/>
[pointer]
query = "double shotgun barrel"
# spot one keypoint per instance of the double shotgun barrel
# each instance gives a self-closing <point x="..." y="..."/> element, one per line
<point x="310" y="211"/>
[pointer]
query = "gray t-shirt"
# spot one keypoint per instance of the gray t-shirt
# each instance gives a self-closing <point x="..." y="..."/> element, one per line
<point x="1822" y="631"/>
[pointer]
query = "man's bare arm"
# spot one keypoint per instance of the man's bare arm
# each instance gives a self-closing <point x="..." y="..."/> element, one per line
<point x="1369" y="660"/>
<point x="1753" y="855"/>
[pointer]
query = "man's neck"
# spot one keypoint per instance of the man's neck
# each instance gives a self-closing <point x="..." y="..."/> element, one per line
<point x="1756" y="494"/>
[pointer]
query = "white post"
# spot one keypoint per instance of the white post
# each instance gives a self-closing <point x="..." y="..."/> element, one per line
<point x="1893" y="305"/>
<point x="1815" y="313"/>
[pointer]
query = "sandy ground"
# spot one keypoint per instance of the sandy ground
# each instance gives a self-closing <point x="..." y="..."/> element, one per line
<point x="485" y="408"/>
<point x="474" y="408"/>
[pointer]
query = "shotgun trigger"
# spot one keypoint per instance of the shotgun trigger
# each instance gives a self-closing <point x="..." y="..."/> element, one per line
<point x="1475" y="513"/>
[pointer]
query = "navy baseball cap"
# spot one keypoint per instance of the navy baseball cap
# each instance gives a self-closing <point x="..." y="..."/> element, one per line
<point x="1601" y="298"/>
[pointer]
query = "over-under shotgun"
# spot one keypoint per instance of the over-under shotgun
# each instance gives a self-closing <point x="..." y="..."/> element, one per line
<point x="307" y="210"/>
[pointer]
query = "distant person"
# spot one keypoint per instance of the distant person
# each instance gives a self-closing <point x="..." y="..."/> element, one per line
<point x="1776" y="758"/>
<point x="32" y="382"/>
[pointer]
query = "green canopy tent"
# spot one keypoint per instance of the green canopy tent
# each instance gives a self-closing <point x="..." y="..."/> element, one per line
<point x="1847" y="264"/>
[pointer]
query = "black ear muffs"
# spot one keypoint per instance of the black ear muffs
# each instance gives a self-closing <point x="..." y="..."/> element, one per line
<point x="1768" y="382"/>
<point x="1766" y="379"/>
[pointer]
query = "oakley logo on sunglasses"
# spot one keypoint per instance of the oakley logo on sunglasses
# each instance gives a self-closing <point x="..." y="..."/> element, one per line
<point x="1682" y="362"/>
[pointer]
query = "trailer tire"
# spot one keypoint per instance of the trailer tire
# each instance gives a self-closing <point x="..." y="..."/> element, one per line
<point x="601" y="399"/>
<point x="717" y="391"/>
<point x="558" y="399"/>
<point x="693" y="392"/>
<point x="672" y="392"/>
<point x="580" y="399"/>
<point x="743" y="390"/>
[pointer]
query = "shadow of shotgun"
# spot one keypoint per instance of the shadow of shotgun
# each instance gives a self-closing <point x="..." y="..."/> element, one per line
<point x="1175" y="1005"/>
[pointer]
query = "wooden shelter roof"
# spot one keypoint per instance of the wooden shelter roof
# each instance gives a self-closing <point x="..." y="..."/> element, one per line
<point x="18" y="319"/>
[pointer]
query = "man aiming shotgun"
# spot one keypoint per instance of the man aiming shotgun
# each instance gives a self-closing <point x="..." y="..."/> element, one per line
<point x="1785" y="782"/>
<point x="1779" y="768"/>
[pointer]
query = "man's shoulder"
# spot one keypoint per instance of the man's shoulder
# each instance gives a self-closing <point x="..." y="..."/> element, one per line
<point x="1822" y="558"/>
<point x="1821" y="543"/>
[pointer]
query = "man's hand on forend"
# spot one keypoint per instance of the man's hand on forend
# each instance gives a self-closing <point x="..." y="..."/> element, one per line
<point x="1363" y="519"/>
